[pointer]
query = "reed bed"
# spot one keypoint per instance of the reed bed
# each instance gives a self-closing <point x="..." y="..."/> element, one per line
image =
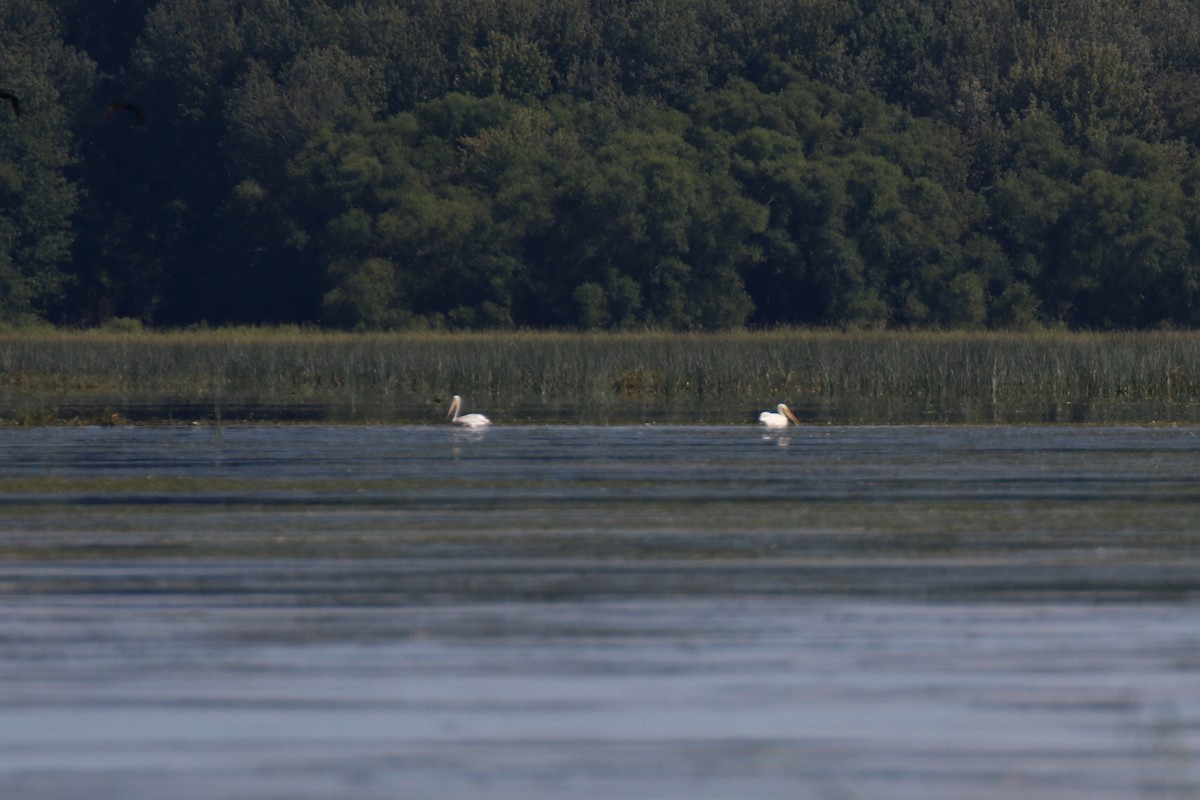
<point x="717" y="378"/>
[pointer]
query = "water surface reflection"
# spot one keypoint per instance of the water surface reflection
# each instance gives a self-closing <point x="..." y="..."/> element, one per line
<point x="651" y="611"/>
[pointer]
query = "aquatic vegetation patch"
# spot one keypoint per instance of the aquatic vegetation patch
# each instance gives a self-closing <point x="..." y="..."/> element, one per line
<point x="885" y="377"/>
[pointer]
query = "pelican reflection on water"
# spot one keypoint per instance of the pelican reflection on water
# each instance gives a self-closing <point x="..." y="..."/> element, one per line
<point x="466" y="420"/>
<point x="777" y="418"/>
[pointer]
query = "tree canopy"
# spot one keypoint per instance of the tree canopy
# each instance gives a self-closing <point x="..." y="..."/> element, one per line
<point x="601" y="164"/>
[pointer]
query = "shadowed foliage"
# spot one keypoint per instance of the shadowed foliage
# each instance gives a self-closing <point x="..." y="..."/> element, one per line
<point x="601" y="165"/>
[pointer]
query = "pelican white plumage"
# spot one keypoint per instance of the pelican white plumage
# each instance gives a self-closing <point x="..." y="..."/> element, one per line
<point x="468" y="420"/>
<point x="777" y="418"/>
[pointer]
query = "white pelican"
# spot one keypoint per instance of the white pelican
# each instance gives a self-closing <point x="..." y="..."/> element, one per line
<point x="469" y="420"/>
<point x="777" y="418"/>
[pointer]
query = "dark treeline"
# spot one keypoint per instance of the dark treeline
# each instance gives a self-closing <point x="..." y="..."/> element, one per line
<point x="683" y="164"/>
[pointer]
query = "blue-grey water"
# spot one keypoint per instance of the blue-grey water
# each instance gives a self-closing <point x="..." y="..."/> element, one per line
<point x="588" y="612"/>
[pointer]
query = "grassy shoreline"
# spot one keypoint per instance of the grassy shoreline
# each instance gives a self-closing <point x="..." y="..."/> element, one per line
<point x="57" y="377"/>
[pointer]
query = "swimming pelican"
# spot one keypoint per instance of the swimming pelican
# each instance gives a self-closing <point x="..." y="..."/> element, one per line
<point x="777" y="418"/>
<point x="470" y="420"/>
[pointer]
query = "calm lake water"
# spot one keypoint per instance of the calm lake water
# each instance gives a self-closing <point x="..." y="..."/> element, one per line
<point x="599" y="612"/>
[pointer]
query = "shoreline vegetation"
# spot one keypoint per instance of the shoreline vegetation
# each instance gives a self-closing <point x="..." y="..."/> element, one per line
<point x="298" y="375"/>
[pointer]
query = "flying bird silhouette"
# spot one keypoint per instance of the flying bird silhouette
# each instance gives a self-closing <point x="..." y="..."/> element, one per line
<point x="12" y="98"/>
<point x="117" y="107"/>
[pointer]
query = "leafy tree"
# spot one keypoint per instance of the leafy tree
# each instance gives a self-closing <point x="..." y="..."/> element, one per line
<point x="406" y="45"/>
<point x="1092" y="90"/>
<point x="866" y="209"/>
<point x="389" y="195"/>
<point x="658" y="222"/>
<point x="105" y="32"/>
<point x="662" y="47"/>
<point x="508" y="66"/>
<point x="43" y="78"/>
<point x="686" y="164"/>
<point x="1126" y="254"/>
<point x="269" y="117"/>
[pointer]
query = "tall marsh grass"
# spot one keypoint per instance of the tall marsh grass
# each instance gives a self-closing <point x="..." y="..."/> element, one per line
<point x="719" y="378"/>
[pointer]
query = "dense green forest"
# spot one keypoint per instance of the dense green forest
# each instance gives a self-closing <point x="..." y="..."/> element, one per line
<point x="601" y="164"/>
